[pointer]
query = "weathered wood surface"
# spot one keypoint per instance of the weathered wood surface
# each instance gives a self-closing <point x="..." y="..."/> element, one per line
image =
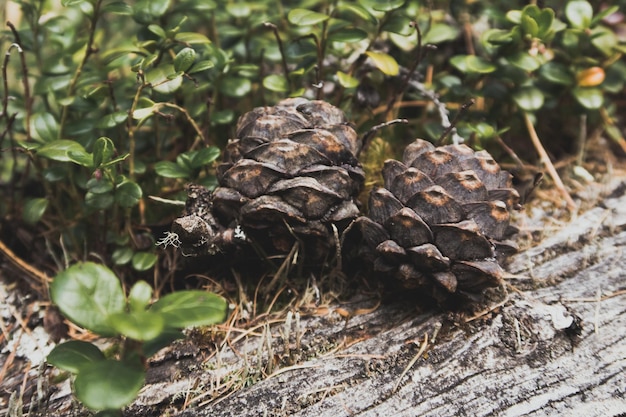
<point x="519" y="360"/>
<point x="522" y="359"/>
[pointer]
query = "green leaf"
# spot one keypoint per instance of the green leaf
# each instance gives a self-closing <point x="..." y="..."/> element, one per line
<point x="384" y="62"/>
<point x="222" y="117"/>
<point x="238" y="10"/>
<point x="169" y="169"/>
<point x="34" y="209"/>
<point x="205" y="156"/>
<point x="579" y="13"/>
<point x="589" y="98"/>
<point x="192" y="38"/>
<point x="201" y="66"/>
<point x="138" y="325"/>
<point x="525" y="61"/>
<point x="472" y="64"/>
<point x="529" y="25"/>
<point x="44" y="127"/>
<point x="122" y="256"/>
<point x="346" y="80"/>
<point x="440" y="32"/>
<point x="164" y="80"/>
<point x="353" y="10"/>
<point x="545" y="21"/>
<point x="184" y="59"/>
<point x="103" y="151"/>
<point x="118" y="7"/>
<point x="604" y="13"/>
<point x="112" y="120"/>
<point x="529" y="98"/>
<point x="87" y="294"/>
<point x="148" y="11"/>
<point x="82" y="158"/>
<point x="139" y="296"/>
<point x="514" y="16"/>
<point x="57" y="150"/>
<point x="347" y="35"/>
<point x="99" y="185"/>
<point x="398" y="24"/>
<point x="167" y="336"/>
<point x="304" y="17"/>
<point x="276" y="82"/>
<point x="604" y="39"/>
<point x="99" y="201"/>
<point x="191" y="308"/>
<point x="233" y="86"/>
<point x="142" y="261"/>
<point x="157" y="30"/>
<point x="109" y="384"/>
<point x="128" y="194"/>
<point x="383" y="5"/>
<point x="557" y="73"/>
<point x="73" y="355"/>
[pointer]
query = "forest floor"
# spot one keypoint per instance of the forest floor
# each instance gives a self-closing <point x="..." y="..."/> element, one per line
<point x="555" y="343"/>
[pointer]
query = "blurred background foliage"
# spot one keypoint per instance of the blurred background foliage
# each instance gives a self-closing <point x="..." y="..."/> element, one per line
<point x="110" y="107"/>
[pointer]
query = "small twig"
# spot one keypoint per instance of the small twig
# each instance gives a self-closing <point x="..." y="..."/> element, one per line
<point x="454" y="121"/>
<point x="281" y="48"/>
<point x="370" y="133"/>
<point x="545" y="160"/>
<point x="420" y="352"/>
<point x="28" y="101"/>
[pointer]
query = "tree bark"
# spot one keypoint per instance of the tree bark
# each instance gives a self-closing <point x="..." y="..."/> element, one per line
<point x="555" y="347"/>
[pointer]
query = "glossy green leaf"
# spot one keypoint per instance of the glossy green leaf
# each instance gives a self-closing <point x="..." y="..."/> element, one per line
<point x="440" y="32"/>
<point x="529" y="98"/>
<point x="122" y="256"/>
<point x="472" y="64"/>
<point x="73" y="355"/>
<point x="304" y="17"/>
<point x="109" y="384"/>
<point x="383" y="5"/>
<point x="139" y="296"/>
<point x="346" y="80"/>
<point x="529" y="26"/>
<point x="163" y="80"/>
<point x="57" y="150"/>
<point x="184" y="59"/>
<point x="44" y="127"/>
<point x="205" y="156"/>
<point x="192" y="38"/>
<point x="235" y="86"/>
<point x="169" y="169"/>
<point x="191" y="308"/>
<point x="88" y="293"/>
<point x="99" y="185"/>
<point x="238" y="10"/>
<point x="222" y="117"/>
<point x="557" y="73"/>
<point x="498" y="36"/>
<point x="157" y="30"/>
<point x="604" y="13"/>
<point x="148" y="11"/>
<point x="34" y="208"/>
<point x="384" y="62"/>
<point x="99" y="201"/>
<point x="81" y="158"/>
<point x="201" y="66"/>
<point x="398" y="24"/>
<point x="604" y="40"/>
<point x="589" y="98"/>
<point x="117" y="7"/>
<point x="353" y="10"/>
<point x="579" y="13"/>
<point x="276" y="82"/>
<point x="525" y="61"/>
<point x="142" y="261"/>
<point x="128" y="194"/>
<point x="103" y="151"/>
<point x="347" y="35"/>
<point x="514" y="16"/>
<point x="138" y="325"/>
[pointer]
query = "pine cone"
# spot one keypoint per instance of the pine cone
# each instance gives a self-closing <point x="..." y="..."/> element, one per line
<point x="291" y="172"/>
<point x="441" y="221"/>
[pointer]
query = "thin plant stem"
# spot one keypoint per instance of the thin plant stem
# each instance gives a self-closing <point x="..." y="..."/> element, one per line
<point x="545" y="160"/>
<point x="88" y="52"/>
